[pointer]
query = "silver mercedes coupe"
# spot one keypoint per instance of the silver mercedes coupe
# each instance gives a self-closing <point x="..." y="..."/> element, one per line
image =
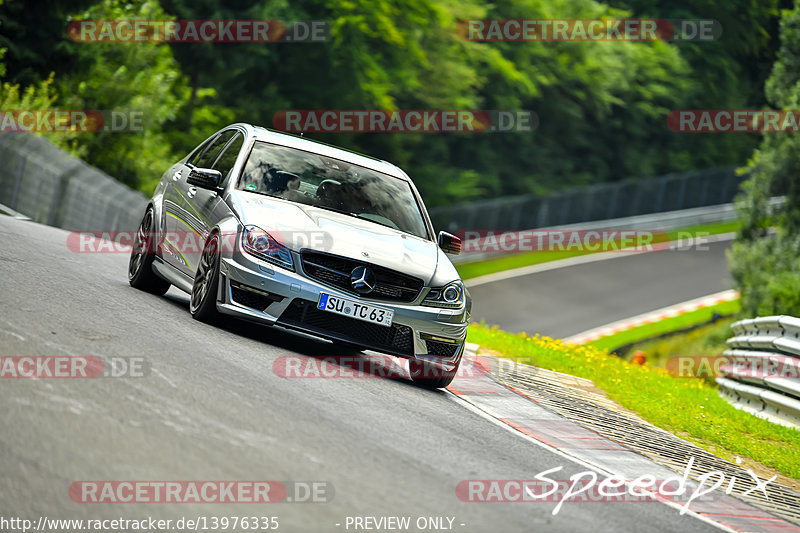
<point x="288" y="232"/>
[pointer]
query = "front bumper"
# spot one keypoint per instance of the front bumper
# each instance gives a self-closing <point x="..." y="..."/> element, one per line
<point x="256" y="290"/>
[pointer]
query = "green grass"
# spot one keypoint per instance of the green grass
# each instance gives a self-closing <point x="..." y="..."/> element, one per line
<point x="690" y="408"/>
<point x="707" y="340"/>
<point x="668" y="325"/>
<point x="510" y="261"/>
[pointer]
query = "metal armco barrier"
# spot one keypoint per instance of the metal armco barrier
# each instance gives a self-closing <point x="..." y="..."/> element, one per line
<point x="43" y="182"/>
<point x="771" y="346"/>
<point x="602" y="201"/>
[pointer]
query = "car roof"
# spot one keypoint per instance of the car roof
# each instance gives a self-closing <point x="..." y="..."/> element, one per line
<point x="301" y="143"/>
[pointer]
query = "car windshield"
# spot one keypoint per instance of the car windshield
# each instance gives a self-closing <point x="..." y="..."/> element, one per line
<point x="331" y="184"/>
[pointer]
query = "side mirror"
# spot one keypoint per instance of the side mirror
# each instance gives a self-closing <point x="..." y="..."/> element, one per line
<point x="449" y="243"/>
<point x="205" y="178"/>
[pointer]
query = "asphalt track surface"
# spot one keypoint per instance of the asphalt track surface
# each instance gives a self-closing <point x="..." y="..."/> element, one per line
<point x="212" y="409"/>
<point x="566" y="301"/>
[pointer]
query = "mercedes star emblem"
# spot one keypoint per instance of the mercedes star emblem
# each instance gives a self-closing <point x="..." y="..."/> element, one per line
<point x="362" y="279"/>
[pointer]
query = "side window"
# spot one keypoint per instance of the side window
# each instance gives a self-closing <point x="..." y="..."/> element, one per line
<point x="226" y="161"/>
<point x="199" y="151"/>
<point x="210" y="154"/>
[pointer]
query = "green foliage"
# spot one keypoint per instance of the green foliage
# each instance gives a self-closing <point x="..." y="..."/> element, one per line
<point x="132" y="78"/>
<point x="35" y="38"/>
<point x="648" y="334"/>
<point x="690" y="407"/>
<point x="12" y="97"/>
<point x="767" y="268"/>
<point x="767" y="272"/>
<point x="601" y="106"/>
<point x="37" y="96"/>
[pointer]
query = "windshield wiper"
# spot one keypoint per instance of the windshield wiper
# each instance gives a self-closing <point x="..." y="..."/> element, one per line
<point x="358" y="215"/>
<point x="335" y="210"/>
<point x="361" y="216"/>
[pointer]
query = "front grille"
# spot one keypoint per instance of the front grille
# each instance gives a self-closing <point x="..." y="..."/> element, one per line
<point x="442" y="349"/>
<point x="247" y="296"/>
<point x="304" y="314"/>
<point x="335" y="270"/>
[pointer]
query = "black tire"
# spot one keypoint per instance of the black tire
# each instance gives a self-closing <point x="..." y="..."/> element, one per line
<point x="140" y="265"/>
<point x="427" y="375"/>
<point x="203" y="302"/>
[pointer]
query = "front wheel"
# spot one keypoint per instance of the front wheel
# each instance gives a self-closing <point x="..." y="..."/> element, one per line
<point x="140" y="265"/>
<point x="203" y="303"/>
<point x="429" y="375"/>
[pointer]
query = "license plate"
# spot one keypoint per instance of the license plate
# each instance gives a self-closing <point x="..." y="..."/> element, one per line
<point x="361" y="311"/>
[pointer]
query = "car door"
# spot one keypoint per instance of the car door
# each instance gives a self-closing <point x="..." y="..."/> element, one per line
<point x="184" y="237"/>
<point x="204" y="208"/>
<point x="173" y="211"/>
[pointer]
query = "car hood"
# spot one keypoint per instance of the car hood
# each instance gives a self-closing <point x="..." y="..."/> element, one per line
<point x="301" y="226"/>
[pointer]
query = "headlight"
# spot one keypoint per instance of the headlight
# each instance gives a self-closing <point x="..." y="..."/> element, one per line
<point x="451" y="296"/>
<point x="259" y="243"/>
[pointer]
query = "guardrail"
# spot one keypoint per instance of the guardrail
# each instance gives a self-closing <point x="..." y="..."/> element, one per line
<point x="667" y="221"/>
<point x="761" y="372"/>
<point x="602" y="201"/>
<point x="43" y="182"/>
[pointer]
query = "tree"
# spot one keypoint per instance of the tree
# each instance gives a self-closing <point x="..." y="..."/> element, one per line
<point x="766" y="268"/>
<point x="601" y="106"/>
<point x="34" y="34"/>
<point x="138" y="79"/>
<point x="37" y="95"/>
